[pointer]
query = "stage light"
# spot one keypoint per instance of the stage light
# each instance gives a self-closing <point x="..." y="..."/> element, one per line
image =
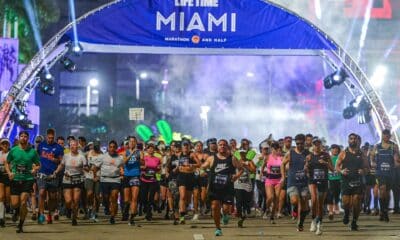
<point x="143" y="75"/>
<point x="94" y="82"/>
<point x="349" y="112"/>
<point x="249" y="74"/>
<point x="75" y="48"/>
<point x="378" y="78"/>
<point x="46" y="84"/>
<point x="68" y="64"/>
<point x="20" y="117"/>
<point x="335" y="79"/>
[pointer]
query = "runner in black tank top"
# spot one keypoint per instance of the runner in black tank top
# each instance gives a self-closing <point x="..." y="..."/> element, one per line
<point x="384" y="157"/>
<point x="222" y="177"/>
<point x="352" y="164"/>
<point x="317" y="164"/>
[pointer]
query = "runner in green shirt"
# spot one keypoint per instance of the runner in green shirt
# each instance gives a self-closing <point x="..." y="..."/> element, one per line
<point x="21" y="167"/>
<point x="333" y="197"/>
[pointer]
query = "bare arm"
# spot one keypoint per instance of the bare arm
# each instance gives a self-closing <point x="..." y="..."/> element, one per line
<point x="396" y="155"/>
<point x="286" y="160"/>
<point x="372" y="157"/>
<point x="339" y="163"/>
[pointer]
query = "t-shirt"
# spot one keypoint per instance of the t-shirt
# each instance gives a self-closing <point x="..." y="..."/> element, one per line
<point x="93" y="161"/>
<point x="46" y="152"/>
<point x="21" y="161"/>
<point x="149" y="173"/>
<point x="110" y="168"/>
<point x="73" y="167"/>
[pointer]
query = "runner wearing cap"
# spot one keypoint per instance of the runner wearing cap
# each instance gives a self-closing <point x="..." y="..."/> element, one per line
<point x="4" y="180"/>
<point x="318" y="163"/>
<point x="21" y="166"/>
<point x="385" y="156"/>
<point x="334" y="177"/>
<point x="172" y="175"/>
<point x="201" y="179"/>
<point x="187" y="166"/>
<point x="243" y="186"/>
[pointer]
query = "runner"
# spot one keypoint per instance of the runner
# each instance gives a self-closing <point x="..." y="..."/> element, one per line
<point x="4" y="180"/>
<point x="260" y="180"/>
<point x="317" y="165"/>
<point x="271" y="167"/>
<point x="111" y="168"/>
<point x="50" y="156"/>
<point x="21" y="166"/>
<point x="297" y="188"/>
<point x="185" y="179"/>
<point x="151" y="165"/>
<point x="284" y="201"/>
<point x="172" y="175"/>
<point x="92" y="181"/>
<point x="385" y="156"/>
<point x="334" y="178"/>
<point x="133" y="158"/>
<point x="352" y="164"/>
<point x="201" y="181"/>
<point x="75" y="164"/>
<point x="222" y="176"/>
<point x="243" y="187"/>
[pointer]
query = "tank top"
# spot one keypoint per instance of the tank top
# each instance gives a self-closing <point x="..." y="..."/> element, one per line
<point x="185" y="160"/>
<point x="335" y="175"/>
<point x="149" y="173"/>
<point x="221" y="173"/>
<point x="384" y="160"/>
<point x="296" y="174"/>
<point x="172" y="165"/>
<point x="353" y="162"/>
<point x="132" y="166"/>
<point x="3" y="159"/>
<point x="274" y="167"/>
<point x="318" y="171"/>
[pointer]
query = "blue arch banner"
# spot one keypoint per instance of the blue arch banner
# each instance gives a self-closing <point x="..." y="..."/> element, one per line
<point x="232" y="24"/>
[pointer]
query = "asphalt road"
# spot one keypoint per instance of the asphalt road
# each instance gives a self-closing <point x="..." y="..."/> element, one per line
<point x="254" y="228"/>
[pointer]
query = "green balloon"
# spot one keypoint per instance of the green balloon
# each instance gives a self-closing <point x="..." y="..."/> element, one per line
<point x="165" y="130"/>
<point x="144" y="132"/>
<point x="251" y="154"/>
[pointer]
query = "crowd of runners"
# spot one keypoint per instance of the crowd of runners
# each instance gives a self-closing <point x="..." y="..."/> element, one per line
<point x="289" y="177"/>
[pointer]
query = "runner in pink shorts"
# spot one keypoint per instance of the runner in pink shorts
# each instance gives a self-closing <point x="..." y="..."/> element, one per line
<point x="273" y="181"/>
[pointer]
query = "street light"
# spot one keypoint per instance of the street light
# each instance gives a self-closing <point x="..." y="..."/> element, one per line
<point x="92" y="83"/>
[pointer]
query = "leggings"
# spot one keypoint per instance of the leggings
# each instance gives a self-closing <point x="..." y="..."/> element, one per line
<point x="243" y="201"/>
<point x="148" y="190"/>
<point x="333" y="196"/>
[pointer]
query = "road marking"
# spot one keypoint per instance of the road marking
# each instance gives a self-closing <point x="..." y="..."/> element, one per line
<point x="198" y="237"/>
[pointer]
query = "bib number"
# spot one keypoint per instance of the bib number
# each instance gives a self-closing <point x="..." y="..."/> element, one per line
<point x="134" y="182"/>
<point x="221" y="180"/>
<point x="21" y="169"/>
<point x="300" y="175"/>
<point x="385" y="167"/>
<point x="319" y="174"/>
<point x="76" y="179"/>
<point x="355" y="183"/>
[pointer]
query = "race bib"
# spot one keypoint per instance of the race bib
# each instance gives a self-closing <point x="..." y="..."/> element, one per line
<point x="355" y="183"/>
<point x="76" y="179"/>
<point x="2" y="168"/>
<point x="319" y="174"/>
<point x="300" y="175"/>
<point x="150" y="173"/>
<point x="173" y="186"/>
<point x="334" y="174"/>
<point x="221" y="180"/>
<point x="134" y="181"/>
<point x="385" y="167"/>
<point x="89" y="175"/>
<point x="21" y="169"/>
<point x="183" y="161"/>
<point x="275" y="170"/>
<point x="244" y="178"/>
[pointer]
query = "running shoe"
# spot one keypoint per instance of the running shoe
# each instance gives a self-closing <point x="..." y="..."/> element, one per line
<point x="176" y="221"/>
<point x="300" y="227"/>
<point x="74" y="222"/>
<point x="319" y="229"/>
<point x="93" y="218"/>
<point x="346" y="219"/>
<point x="313" y="226"/>
<point x="41" y="219"/>
<point x="272" y="220"/>
<point x="279" y="215"/>
<point x="240" y="222"/>
<point x="195" y="217"/>
<point x="2" y="223"/>
<point x="56" y="216"/>
<point x="14" y="217"/>
<point x="330" y="216"/>
<point x="354" y="226"/>
<point x="225" y="219"/>
<point x="182" y="220"/>
<point x="49" y="219"/>
<point x="112" y="220"/>
<point x="34" y="217"/>
<point x="218" y="232"/>
<point x="19" y="229"/>
<point x="131" y="222"/>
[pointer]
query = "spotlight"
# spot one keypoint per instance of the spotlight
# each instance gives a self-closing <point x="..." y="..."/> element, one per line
<point x="335" y="79"/>
<point x="364" y="117"/>
<point x="46" y="84"/>
<point x="20" y="117"/>
<point x="68" y="64"/>
<point x="349" y="112"/>
<point x="76" y="48"/>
